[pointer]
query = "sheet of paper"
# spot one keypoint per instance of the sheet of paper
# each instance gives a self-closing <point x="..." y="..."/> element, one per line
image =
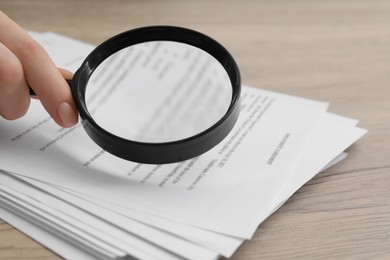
<point x="68" y="250"/>
<point x="90" y="231"/>
<point x="163" y="223"/>
<point x="341" y="139"/>
<point x="347" y="125"/>
<point x="152" y="199"/>
<point x="262" y="201"/>
<point x="182" y="191"/>
<point x="223" y="245"/>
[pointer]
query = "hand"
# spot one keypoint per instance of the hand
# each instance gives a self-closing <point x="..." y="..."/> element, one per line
<point x="23" y="63"/>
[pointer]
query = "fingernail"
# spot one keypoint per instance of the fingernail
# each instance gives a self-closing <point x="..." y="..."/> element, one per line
<point x="67" y="115"/>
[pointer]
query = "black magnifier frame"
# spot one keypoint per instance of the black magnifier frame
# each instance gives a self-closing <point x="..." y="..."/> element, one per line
<point x="166" y="152"/>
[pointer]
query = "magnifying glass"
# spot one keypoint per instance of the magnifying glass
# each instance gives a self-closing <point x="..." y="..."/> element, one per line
<point x="157" y="94"/>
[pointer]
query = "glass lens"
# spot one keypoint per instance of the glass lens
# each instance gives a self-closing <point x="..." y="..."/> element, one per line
<point x="159" y="91"/>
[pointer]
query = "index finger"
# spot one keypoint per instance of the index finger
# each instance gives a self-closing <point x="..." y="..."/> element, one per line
<point x="40" y="72"/>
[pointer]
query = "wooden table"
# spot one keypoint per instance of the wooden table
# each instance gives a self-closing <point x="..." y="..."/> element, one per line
<point x="336" y="51"/>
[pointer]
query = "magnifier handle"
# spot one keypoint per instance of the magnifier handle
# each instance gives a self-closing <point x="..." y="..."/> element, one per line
<point x="32" y="92"/>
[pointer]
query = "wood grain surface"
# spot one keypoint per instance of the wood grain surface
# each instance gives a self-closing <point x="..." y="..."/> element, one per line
<point x="335" y="51"/>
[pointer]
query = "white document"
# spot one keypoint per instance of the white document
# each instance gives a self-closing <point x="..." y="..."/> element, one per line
<point x="271" y="127"/>
<point x="214" y="201"/>
<point x="188" y="232"/>
<point x="184" y="192"/>
<point x="206" y="239"/>
<point x="329" y="140"/>
<point x="90" y="231"/>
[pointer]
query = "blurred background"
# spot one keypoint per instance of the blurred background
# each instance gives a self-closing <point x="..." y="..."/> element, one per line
<point x="278" y="44"/>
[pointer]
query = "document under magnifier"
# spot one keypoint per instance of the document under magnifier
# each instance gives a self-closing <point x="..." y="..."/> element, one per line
<point x="171" y="108"/>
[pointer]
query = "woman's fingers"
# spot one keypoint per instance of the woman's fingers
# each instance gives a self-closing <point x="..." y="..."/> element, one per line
<point x="68" y="75"/>
<point x="14" y="94"/>
<point x="40" y="73"/>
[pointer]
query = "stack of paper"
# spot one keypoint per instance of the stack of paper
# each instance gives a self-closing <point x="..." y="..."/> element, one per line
<point x="60" y="188"/>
